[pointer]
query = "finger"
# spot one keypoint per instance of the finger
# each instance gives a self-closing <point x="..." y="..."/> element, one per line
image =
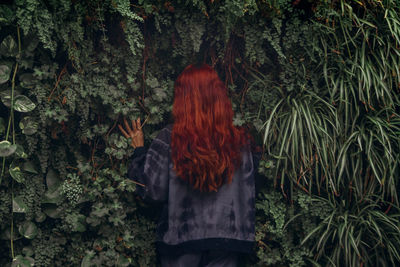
<point x="138" y="124"/>
<point x="128" y="129"/>
<point x="134" y="125"/>
<point x="123" y="131"/>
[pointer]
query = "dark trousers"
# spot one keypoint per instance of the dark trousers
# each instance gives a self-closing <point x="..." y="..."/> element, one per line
<point x="208" y="258"/>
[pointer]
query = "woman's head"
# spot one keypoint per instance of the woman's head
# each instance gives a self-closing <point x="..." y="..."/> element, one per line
<point x="205" y="144"/>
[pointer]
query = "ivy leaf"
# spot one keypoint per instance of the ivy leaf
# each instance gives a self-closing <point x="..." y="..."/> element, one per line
<point x="5" y="72"/>
<point x="9" y="47"/>
<point x="16" y="173"/>
<point x="28" y="229"/>
<point x="21" y="261"/>
<point x="28" y="125"/>
<point x="23" y="104"/>
<point x="6" y="148"/>
<point x="19" y="206"/>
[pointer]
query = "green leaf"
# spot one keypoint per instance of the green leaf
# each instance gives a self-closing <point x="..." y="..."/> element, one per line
<point x="6" y="234"/>
<point x="152" y="82"/>
<point x="16" y="173"/>
<point x="86" y="261"/>
<point x="6" y="148"/>
<point x="269" y="164"/>
<point x="52" y="180"/>
<point x="19" y="152"/>
<point x="21" y="261"/>
<point x="28" y="229"/>
<point x="28" y="166"/>
<point x="5" y="72"/>
<point x="19" y="206"/>
<point x="123" y="261"/>
<point x="52" y="211"/>
<point x="23" y="104"/>
<point x="7" y="14"/>
<point x="79" y="225"/>
<point x="6" y="97"/>
<point x="27" y="80"/>
<point x="40" y="217"/>
<point x="52" y="196"/>
<point x="28" y="125"/>
<point x="28" y="251"/>
<point x="9" y="47"/>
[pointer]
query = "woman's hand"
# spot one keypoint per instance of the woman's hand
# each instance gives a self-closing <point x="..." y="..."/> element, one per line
<point x="135" y="133"/>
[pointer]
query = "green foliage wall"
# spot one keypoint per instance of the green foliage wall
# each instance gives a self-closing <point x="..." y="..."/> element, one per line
<point x="316" y="82"/>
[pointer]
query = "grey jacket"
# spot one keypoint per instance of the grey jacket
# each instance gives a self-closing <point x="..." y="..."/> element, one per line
<point x="191" y="220"/>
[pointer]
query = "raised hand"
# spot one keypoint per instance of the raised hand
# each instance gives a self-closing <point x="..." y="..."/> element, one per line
<point x="135" y="133"/>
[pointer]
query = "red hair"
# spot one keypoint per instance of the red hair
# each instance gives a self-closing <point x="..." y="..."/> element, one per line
<point x="205" y="144"/>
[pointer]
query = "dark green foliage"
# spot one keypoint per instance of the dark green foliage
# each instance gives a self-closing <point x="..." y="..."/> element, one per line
<point x="319" y="79"/>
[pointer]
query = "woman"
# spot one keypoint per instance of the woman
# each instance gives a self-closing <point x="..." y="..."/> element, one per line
<point x="201" y="168"/>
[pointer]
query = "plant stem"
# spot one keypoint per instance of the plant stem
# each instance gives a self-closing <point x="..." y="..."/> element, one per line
<point x="12" y="220"/>
<point x="13" y="132"/>
<point x="11" y="119"/>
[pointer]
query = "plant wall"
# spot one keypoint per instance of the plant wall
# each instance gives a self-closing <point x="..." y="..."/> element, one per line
<point x="316" y="82"/>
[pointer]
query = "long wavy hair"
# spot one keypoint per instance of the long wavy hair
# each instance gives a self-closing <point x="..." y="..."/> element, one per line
<point x="205" y="144"/>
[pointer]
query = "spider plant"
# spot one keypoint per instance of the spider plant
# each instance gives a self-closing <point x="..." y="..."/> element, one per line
<point x="360" y="63"/>
<point x="360" y="234"/>
<point x="350" y="125"/>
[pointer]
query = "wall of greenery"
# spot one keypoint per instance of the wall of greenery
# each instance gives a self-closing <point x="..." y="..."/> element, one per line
<point x="316" y="82"/>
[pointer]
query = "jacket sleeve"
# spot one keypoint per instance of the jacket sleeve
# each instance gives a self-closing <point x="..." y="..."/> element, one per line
<point x="149" y="168"/>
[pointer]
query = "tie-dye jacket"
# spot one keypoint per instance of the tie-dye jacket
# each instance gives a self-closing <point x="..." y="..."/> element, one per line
<point x="193" y="221"/>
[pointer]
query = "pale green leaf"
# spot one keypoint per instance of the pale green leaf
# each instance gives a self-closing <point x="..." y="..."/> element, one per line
<point x="5" y="72"/>
<point x="9" y="47"/>
<point x="6" y="148"/>
<point x="23" y="104"/>
<point x="28" y="229"/>
<point x="19" y="206"/>
<point x="16" y="173"/>
<point x="21" y="261"/>
<point x="28" y="125"/>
